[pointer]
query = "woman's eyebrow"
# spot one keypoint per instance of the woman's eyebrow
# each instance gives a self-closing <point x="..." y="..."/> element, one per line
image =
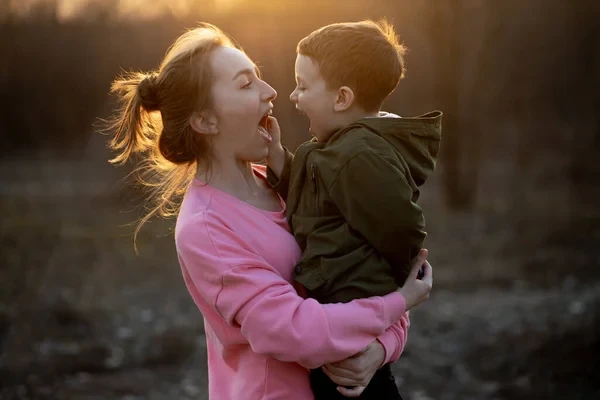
<point x="245" y="71"/>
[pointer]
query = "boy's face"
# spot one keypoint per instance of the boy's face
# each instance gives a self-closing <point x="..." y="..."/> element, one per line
<point x="314" y="99"/>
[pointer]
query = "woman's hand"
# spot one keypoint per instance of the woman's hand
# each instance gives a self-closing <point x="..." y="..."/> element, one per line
<point x="415" y="289"/>
<point x="354" y="374"/>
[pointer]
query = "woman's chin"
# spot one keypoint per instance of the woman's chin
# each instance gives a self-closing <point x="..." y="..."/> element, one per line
<point x="263" y="155"/>
<point x="256" y="156"/>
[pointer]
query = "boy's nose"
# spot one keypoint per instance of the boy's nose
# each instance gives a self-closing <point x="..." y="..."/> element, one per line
<point x="293" y="97"/>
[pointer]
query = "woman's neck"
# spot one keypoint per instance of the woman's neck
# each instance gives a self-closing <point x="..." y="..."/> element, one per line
<point x="234" y="177"/>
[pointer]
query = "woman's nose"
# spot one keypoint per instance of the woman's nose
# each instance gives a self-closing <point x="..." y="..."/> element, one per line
<point x="269" y="93"/>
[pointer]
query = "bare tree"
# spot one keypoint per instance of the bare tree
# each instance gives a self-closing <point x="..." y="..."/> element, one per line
<point x="459" y="152"/>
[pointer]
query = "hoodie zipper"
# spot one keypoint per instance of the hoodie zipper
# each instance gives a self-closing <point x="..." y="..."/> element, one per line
<point x="313" y="170"/>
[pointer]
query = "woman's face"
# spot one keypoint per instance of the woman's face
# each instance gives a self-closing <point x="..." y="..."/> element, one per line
<point x="241" y="102"/>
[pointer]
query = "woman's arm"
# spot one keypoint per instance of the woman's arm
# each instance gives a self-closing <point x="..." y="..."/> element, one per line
<point x="279" y="323"/>
<point x="354" y="374"/>
<point x="394" y="339"/>
<point x="248" y="292"/>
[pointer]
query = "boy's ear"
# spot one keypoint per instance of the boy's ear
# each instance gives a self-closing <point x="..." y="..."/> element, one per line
<point x="344" y="99"/>
<point x="204" y="122"/>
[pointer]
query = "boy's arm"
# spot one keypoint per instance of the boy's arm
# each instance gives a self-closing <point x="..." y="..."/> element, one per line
<point x="279" y="160"/>
<point x="372" y="193"/>
<point x="279" y="165"/>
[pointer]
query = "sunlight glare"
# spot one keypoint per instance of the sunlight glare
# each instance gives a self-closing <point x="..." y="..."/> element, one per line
<point x="142" y="9"/>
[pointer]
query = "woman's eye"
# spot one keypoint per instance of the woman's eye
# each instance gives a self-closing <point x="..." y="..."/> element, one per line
<point x="247" y="85"/>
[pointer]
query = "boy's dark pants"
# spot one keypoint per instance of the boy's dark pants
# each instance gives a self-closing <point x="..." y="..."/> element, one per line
<point x="381" y="387"/>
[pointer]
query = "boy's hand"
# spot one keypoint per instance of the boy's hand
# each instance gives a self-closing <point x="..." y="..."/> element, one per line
<point x="416" y="289"/>
<point x="274" y="131"/>
<point x="276" y="157"/>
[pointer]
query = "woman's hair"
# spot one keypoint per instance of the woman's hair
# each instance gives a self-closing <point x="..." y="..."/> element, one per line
<point x="153" y="119"/>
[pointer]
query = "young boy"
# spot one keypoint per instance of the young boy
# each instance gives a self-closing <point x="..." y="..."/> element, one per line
<point x="351" y="191"/>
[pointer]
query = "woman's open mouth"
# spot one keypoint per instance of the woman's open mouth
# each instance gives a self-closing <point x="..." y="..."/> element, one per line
<point x="263" y="125"/>
<point x="263" y="121"/>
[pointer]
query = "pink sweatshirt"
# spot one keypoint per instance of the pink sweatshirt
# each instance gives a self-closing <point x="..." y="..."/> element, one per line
<point x="262" y="337"/>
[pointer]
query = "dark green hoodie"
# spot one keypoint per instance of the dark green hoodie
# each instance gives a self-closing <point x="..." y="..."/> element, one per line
<point x="351" y="204"/>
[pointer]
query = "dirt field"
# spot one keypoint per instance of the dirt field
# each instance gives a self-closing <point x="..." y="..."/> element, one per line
<point x="514" y="314"/>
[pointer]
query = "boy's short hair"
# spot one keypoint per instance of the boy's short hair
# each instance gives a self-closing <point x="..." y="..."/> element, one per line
<point x="365" y="56"/>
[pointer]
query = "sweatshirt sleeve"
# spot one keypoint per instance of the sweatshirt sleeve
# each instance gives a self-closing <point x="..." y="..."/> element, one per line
<point x="374" y="196"/>
<point x="281" y="183"/>
<point x="251" y="294"/>
<point x="394" y="339"/>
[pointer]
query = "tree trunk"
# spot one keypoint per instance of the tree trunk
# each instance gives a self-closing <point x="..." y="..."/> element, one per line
<point x="458" y="152"/>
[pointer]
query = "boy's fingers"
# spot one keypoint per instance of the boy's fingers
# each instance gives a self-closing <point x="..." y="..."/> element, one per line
<point x="272" y="123"/>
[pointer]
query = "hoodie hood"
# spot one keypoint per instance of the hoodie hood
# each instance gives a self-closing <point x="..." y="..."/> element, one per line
<point x="415" y="139"/>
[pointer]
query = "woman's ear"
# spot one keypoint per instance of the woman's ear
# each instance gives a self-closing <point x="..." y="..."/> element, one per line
<point x="344" y="99"/>
<point x="204" y="122"/>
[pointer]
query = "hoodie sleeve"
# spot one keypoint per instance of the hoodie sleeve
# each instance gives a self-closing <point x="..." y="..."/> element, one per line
<point x="252" y="295"/>
<point x="373" y="194"/>
<point x="281" y="183"/>
<point x="394" y="339"/>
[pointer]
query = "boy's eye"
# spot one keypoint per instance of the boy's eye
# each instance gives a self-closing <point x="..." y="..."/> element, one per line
<point x="301" y="88"/>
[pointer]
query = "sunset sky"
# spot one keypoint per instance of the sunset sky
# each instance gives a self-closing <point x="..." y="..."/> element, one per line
<point x="67" y="9"/>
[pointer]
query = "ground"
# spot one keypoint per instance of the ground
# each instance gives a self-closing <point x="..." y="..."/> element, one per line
<point x="83" y="317"/>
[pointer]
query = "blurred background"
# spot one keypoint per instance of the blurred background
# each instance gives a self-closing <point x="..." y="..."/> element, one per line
<point x="513" y="209"/>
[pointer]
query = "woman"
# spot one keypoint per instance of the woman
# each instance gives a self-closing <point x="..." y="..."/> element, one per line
<point x="198" y="125"/>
